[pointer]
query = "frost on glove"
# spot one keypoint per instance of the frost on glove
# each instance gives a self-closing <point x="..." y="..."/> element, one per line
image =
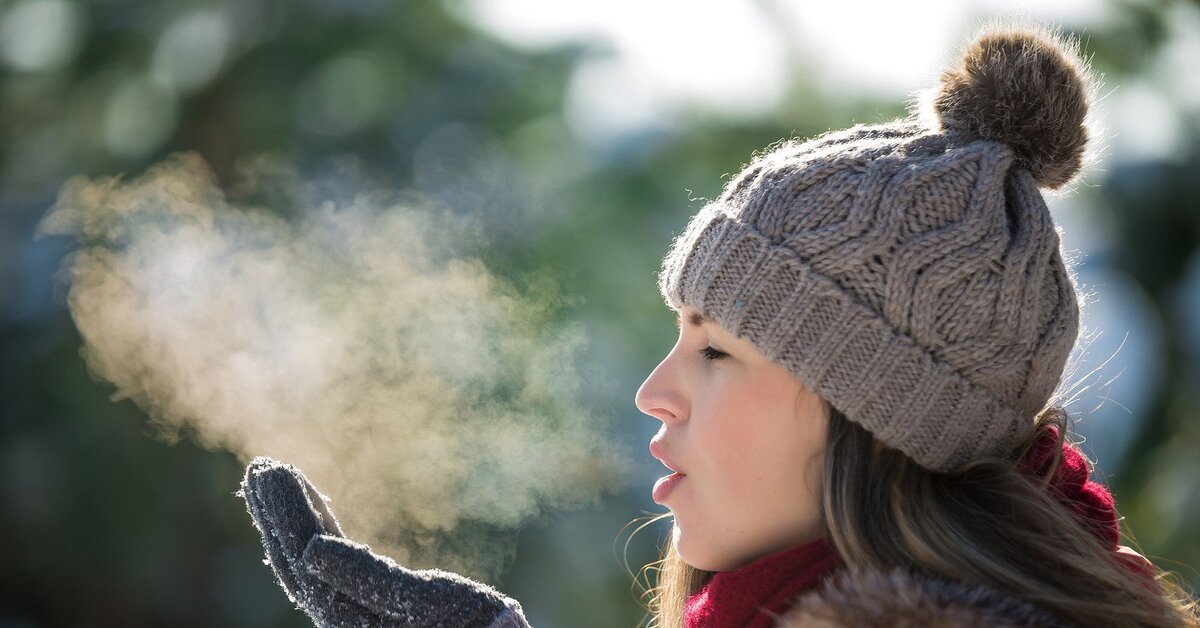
<point x="338" y="582"/>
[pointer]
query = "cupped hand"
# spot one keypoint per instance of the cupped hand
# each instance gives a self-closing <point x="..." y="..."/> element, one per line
<point x="338" y="582"/>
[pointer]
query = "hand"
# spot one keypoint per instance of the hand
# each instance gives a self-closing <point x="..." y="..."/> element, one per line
<point x="338" y="582"/>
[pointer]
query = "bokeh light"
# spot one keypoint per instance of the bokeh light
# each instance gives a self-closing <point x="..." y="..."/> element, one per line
<point x="41" y="35"/>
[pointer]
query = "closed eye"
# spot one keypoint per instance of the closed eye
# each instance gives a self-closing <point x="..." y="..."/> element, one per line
<point x="712" y="354"/>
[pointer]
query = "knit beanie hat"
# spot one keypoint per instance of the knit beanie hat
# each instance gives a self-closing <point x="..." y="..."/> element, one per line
<point x="909" y="272"/>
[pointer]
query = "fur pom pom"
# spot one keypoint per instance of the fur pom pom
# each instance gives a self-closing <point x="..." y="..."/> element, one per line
<point x="1026" y="88"/>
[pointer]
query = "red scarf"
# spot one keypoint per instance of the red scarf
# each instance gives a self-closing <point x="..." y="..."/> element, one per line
<point x="1089" y="500"/>
<point x="755" y="594"/>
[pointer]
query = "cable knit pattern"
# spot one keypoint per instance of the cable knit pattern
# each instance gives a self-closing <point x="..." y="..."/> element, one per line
<point x="909" y="275"/>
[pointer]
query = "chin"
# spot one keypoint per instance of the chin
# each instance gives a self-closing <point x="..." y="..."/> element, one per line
<point x="697" y="559"/>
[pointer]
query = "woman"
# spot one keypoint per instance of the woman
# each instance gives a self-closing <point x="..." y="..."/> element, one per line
<point x="874" y="324"/>
<point x="858" y="411"/>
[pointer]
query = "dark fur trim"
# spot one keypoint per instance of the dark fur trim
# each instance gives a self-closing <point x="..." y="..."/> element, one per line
<point x="864" y="598"/>
<point x="1027" y="89"/>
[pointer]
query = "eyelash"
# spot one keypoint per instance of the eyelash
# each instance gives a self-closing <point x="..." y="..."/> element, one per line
<point x="712" y="354"/>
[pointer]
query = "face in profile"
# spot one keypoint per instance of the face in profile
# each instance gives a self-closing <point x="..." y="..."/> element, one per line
<point x="748" y="439"/>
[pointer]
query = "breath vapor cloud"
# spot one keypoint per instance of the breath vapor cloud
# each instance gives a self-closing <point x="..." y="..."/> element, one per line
<point x="434" y="401"/>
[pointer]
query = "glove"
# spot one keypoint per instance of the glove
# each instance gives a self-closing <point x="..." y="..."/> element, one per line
<point x="338" y="582"/>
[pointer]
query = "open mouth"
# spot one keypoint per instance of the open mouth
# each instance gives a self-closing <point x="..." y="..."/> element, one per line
<point x="665" y="485"/>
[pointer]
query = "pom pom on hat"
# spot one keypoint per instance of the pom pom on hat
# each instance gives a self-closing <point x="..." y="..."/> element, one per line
<point x="1026" y="88"/>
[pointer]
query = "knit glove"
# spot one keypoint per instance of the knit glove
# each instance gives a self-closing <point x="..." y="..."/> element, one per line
<point x="338" y="582"/>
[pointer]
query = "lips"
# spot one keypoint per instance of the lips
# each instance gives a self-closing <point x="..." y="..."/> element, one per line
<point x="656" y="450"/>
<point x="665" y="485"/>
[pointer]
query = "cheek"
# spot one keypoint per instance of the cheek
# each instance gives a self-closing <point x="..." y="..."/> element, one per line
<point x="761" y="439"/>
<point x="762" y="453"/>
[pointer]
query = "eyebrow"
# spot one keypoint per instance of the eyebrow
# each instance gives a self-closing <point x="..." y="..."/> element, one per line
<point x="696" y="319"/>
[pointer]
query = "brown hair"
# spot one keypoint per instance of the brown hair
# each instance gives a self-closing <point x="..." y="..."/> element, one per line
<point x="987" y="524"/>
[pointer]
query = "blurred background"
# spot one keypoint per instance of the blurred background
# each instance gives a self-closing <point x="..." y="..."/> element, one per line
<point x="584" y="135"/>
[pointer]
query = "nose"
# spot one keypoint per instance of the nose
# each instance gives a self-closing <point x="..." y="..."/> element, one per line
<point x="660" y="395"/>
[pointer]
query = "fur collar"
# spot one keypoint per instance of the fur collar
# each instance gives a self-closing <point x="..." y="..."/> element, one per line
<point x="863" y="598"/>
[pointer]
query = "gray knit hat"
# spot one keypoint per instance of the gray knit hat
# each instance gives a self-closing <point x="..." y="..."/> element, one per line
<point x="909" y="272"/>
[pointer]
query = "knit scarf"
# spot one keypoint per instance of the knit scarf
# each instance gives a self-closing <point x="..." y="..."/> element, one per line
<point x="755" y="594"/>
<point x="1090" y="501"/>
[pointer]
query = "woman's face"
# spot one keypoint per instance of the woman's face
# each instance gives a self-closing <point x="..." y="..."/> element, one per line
<point x="749" y="439"/>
